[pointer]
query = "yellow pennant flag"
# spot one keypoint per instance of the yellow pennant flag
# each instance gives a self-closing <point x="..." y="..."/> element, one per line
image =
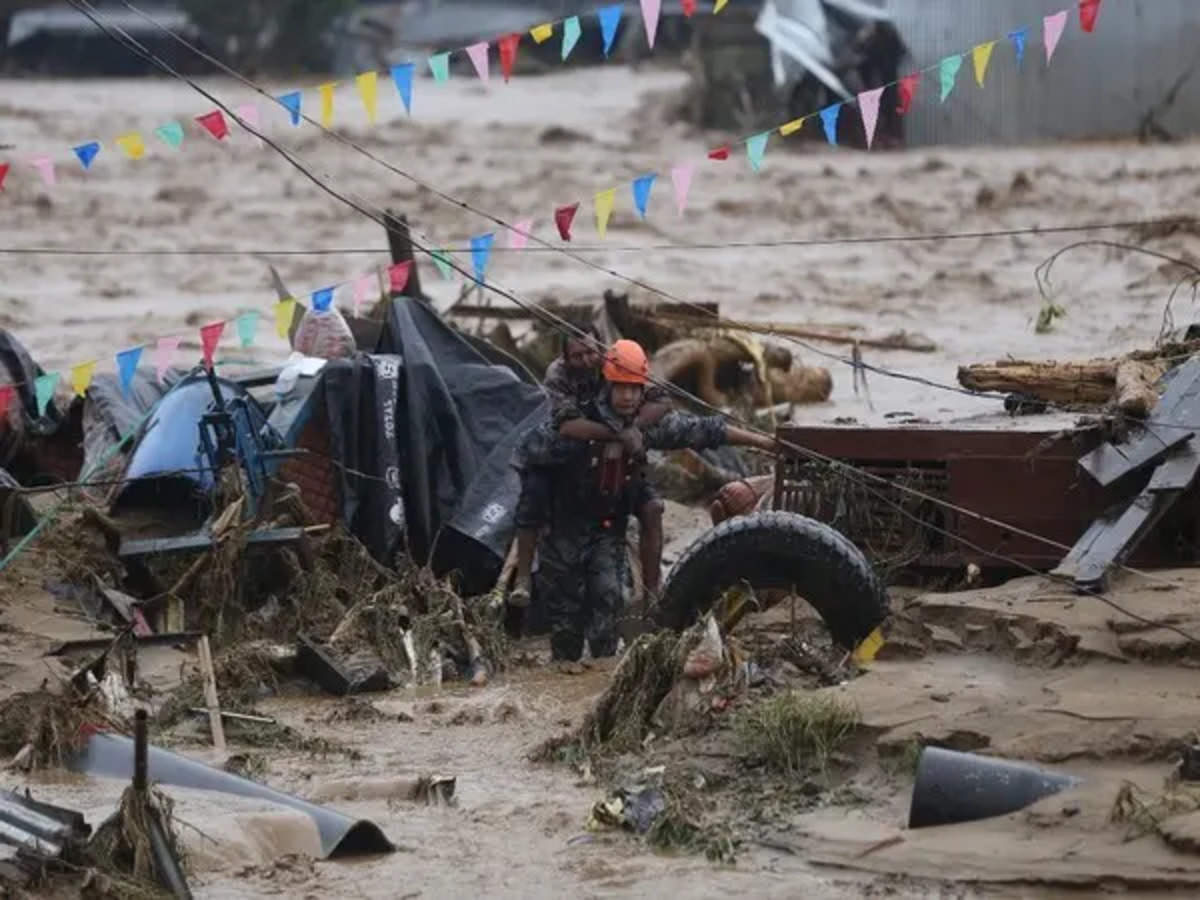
<point x="284" y="311"/>
<point x="327" y="102"/>
<point x="81" y="376"/>
<point x="718" y="6"/>
<point x="368" y="89"/>
<point x="132" y="145"/>
<point x="793" y="126"/>
<point x="981" y="56"/>
<point x="604" y="208"/>
<point x="541" y="33"/>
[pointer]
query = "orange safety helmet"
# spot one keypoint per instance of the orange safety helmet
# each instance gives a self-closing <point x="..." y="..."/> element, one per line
<point x="626" y="363"/>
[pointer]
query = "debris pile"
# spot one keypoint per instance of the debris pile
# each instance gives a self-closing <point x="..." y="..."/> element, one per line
<point x="42" y="730"/>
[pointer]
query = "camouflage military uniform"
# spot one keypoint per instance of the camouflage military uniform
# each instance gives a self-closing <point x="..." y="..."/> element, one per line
<point x="593" y="495"/>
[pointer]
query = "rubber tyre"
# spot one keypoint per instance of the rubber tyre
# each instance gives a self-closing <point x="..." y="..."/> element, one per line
<point x="772" y="550"/>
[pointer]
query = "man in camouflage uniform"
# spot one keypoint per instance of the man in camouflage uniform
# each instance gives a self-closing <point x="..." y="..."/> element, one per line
<point x="572" y="381"/>
<point x="597" y="482"/>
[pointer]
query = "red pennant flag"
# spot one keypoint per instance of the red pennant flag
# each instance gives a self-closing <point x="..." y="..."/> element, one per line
<point x="210" y="336"/>
<point x="214" y="123"/>
<point x="507" y="46"/>
<point x="6" y="394"/>
<point x="719" y="153"/>
<point x="563" y="217"/>
<point x="3" y="174"/>
<point x="907" y="89"/>
<point x="1088" y="11"/>
<point x="398" y="276"/>
<point x="689" y="8"/>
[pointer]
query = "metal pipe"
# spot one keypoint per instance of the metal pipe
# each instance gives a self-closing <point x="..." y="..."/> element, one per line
<point x="140" y="744"/>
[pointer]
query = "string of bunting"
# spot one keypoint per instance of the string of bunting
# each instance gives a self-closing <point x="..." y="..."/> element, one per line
<point x="166" y="349"/>
<point x="134" y="145"/>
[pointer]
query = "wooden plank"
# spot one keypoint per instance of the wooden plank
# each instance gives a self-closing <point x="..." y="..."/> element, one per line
<point x="166" y="639"/>
<point x="1179" y="403"/>
<point x="210" y="694"/>
<point x="1179" y="470"/>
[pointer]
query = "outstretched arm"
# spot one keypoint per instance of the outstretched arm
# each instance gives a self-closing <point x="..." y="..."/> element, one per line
<point x="678" y="431"/>
<point x="743" y="437"/>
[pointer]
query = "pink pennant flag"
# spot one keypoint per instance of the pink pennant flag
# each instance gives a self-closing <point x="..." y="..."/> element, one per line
<point x="681" y="178"/>
<point x="164" y="354"/>
<point x="650" y="13"/>
<point x="45" y="167"/>
<point x="518" y="235"/>
<point x="398" y="276"/>
<point x="362" y="290"/>
<point x="210" y="336"/>
<point x="1053" y="26"/>
<point x="248" y="113"/>
<point x="479" y="58"/>
<point x="868" y="105"/>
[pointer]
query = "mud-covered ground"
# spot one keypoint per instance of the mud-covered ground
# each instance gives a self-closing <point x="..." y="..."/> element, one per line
<point x="1025" y="670"/>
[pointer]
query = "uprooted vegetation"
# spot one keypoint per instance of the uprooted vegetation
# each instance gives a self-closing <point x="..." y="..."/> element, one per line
<point x="795" y="732"/>
<point x="42" y="730"/>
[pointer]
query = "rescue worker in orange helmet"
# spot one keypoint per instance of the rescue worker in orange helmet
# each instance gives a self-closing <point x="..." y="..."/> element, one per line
<point x="598" y="479"/>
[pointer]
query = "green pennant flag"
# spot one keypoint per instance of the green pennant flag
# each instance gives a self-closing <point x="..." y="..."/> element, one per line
<point x="247" y="324"/>
<point x="442" y="261"/>
<point x="948" y="72"/>
<point x="439" y="65"/>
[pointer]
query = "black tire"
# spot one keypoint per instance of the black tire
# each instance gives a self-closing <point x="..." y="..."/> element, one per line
<point x="778" y="550"/>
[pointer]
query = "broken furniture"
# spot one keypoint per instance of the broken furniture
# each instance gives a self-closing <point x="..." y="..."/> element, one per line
<point x="1162" y="462"/>
<point x="1013" y="473"/>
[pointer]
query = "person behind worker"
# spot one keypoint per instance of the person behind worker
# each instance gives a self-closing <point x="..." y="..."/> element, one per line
<point x="597" y="480"/>
<point x="572" y="381"/>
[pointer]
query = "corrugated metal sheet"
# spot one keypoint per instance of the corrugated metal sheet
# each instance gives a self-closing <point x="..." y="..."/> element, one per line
<point x="1099" y="85"/>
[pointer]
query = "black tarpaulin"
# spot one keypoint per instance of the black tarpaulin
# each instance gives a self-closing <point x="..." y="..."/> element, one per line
<point x="430" y="423"/>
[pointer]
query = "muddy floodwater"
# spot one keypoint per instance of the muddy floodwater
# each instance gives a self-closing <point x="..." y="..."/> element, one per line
<point x="1060" y="685"/>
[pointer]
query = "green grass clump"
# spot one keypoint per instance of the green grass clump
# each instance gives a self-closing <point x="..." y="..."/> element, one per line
<point x="796" y="732"/>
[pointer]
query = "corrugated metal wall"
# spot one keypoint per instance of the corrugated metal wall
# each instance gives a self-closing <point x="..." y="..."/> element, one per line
<point x="1099" y="85"/>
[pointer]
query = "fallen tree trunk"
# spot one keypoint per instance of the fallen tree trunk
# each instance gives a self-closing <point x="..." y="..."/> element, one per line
<point x="1128" y="384"/>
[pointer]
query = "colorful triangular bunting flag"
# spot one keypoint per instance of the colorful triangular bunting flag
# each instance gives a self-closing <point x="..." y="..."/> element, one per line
<point x="541" y="33"/>
<point x="368" y="89"/>
<point x="43" y="389"/>
<point x="478" y="54"/>
<point x="605" y="200"/>
<point x="132" y="145"/>
<point x="868" y="106"/>
<point x="756" y="147"/>
<point x="481" y="248"/>
<point x="948" y="73"/>
<point x="641" y="193"/>
<point x="651" y="9"/>
<point x="572" y="31"/>
<point x="127" y="363"/>
<point x="285" y="311"/>
<point x="610" y="18"/>
<point x="719" y="5"/>
<point x="7" y="392"/>
<point x="210" y="336"/>
<point x="439" y="66"/>
<point x="326" y="91"/>
<point x="981" y="55"/>
<point x="1052" y="31"/>
<point x="564" y="216"/>
<point x="45" y="167"/>
<point x="164" y="354"/>
<point x="81" y="377"/>
<point x="1089" y="10"/>
<point x="829" y="121"/>
<point x="442" y="261"/>
<point x="86" y="153"/>
<point x="1018" y="38"/>
<point x="507" y="46"/>
<point x="402" y="76"/>
<point x="247" y="325"/>
<point x="322" y="300"/>
<point x="518" y="235"/>
<point x="398" y="274"/>
<point x="214" y="123"/>
<point x="681" y="181"/>
<point x="720" y="154"/>
<point x="790" y="128"/>
<point x="907" y="91"/>
<point x="292" y="102"/>
<point x="362" y="290"/>
<point x="171" y="134"/>
<point x="4" y="167"/>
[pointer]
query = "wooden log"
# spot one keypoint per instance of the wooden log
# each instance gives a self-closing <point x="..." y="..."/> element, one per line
<point x="1088" y="383"/>
<point x="901" y="340"/>
<point x="1136" y="392"/>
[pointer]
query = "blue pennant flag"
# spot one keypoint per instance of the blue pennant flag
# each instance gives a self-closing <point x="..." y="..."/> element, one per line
<point x="481" y="249"/>
<point x="829" y="118"/>
<point x="127" y="363"/>
<point x="322" y="299"/>
<point x="87" y="153"/>
<point x="610" y="18"/>
<point x="403" y="76"/>
<point x="641" y="193"/>
<point x="292" y="101"/>
<point x="1018" y="40"/>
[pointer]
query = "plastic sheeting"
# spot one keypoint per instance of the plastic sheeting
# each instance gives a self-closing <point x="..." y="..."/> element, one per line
<point x="803" y="39"/>
<point x="431" y="423"/>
